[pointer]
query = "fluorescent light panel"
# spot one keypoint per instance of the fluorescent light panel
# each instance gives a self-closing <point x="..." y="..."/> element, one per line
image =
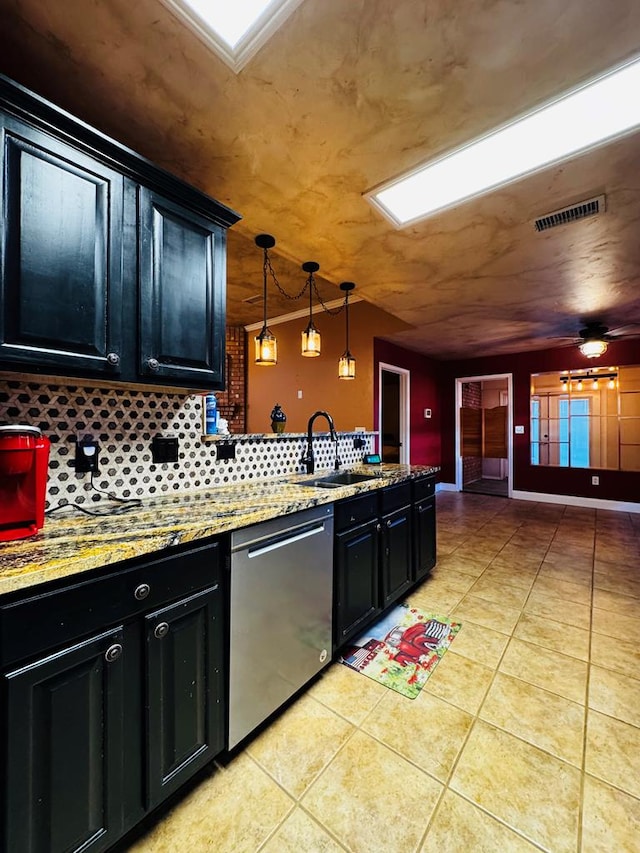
<point x="591" y="115"/>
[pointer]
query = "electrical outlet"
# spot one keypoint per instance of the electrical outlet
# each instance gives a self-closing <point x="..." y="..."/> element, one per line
<point x="225" y="450"/>
<point x="595" y="481"/>
<point x="164" y="449"/>
<point x="87" y="455"/>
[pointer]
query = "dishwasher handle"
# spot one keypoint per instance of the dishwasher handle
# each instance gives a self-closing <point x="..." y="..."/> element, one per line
<point x="281" y="540"/>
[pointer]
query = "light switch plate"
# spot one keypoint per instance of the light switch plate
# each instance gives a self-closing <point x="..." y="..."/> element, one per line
<point x="427" y="413"/>
<point x="519" y="430"/>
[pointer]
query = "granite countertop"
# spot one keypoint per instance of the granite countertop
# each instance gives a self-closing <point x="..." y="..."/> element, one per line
<point x="71" y="542"/>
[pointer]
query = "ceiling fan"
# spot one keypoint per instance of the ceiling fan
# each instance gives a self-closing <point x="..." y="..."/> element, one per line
<point x="594" y="337"/>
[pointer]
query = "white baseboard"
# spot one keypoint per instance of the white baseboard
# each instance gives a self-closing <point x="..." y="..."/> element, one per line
<point x="568" y="500"/>
<point x="573" y="500"/>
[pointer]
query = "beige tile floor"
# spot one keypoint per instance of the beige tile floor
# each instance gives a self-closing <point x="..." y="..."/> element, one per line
<point x="526" y="737"/>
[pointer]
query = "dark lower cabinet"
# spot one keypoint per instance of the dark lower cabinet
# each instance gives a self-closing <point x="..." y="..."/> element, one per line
<point x="424" y="538"/>
<point x="395" y="555"/>
<point x="64" y="743"/>
<point x="184" y="708"/>
<point x="379" y="560"/>
<point x="99" y="730"/>
<point x="357" y="596"/>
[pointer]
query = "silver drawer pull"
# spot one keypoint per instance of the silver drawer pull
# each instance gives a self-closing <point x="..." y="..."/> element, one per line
<point x="153" y="364"/>
<point x="113" y="653"/>
<point x="141" y="592"/>
<point x="161" y="630"/>
<point x="113" y="358"/>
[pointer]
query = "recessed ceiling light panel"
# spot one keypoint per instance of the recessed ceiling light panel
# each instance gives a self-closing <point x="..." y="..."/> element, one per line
<point x="234" y="30"/>
<point x="591" y="115"/>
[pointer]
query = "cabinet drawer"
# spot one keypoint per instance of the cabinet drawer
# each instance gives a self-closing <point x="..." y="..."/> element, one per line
<point x="354" y="511"/>
<point x="424" y="487"/>
<point x="44" y="621"/>
<point x="395" y="497"/>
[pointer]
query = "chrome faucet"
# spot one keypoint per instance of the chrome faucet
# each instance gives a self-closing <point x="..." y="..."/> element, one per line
<point x="308" y="459"/>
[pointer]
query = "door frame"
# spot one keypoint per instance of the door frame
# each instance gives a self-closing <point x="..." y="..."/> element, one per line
<point x="460" y="381"/>
<point x="404" y="406"/>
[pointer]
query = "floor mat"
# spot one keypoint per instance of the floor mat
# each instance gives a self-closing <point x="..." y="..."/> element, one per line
<point x="402" y="649"/>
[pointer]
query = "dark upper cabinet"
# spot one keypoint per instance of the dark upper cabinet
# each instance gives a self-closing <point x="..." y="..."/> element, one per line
<point x="61" y="281"/>
<point x="109" y="266"/>
<point x="64" y="746"/>
<point x="182" y="294"/>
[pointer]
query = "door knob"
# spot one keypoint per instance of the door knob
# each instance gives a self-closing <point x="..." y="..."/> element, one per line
<point x="113" y="358"/>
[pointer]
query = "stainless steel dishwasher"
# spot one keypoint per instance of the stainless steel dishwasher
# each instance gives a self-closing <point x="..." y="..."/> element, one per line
<point x="281" y="621"/>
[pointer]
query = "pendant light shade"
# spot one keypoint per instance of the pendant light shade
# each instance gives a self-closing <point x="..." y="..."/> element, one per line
<point x="311" y="341"/>
<point x="266" y="345"/>
<point x="347" y="363"/>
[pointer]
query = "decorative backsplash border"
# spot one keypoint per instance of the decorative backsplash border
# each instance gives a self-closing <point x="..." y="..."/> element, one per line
<point x="124" y="423"/>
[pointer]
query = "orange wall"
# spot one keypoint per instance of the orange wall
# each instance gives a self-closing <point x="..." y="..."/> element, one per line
<point x="350" y="403"/>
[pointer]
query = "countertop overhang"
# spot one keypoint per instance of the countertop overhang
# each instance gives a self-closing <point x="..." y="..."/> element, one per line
<point x="71" y="542"/>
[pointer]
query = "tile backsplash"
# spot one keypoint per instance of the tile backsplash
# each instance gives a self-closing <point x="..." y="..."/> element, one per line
<point x="124" y="422"/>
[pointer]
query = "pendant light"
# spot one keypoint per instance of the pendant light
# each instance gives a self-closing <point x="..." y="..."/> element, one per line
<point x="311" y="336"/>
<point x="266" y="345"/>
<point x="347" y="363"/>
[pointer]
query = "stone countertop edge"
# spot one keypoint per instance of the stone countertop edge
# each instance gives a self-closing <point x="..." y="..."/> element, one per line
<point x="72" y="542"/>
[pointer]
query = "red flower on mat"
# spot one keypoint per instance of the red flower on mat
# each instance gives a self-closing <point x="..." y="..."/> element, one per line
<point x="413" y="679"/>
<point x="382" y="671"/>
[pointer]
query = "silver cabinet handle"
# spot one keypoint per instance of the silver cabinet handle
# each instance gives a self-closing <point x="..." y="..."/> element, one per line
<point x="141" y="592"/>
<point x="153" y="363"/>
<point x="388" y="523"/>
<point x="113" y="653"/>
<point x="379" y="528"/>
<point x="161" y="630"/>
<point x="113" y="358"/>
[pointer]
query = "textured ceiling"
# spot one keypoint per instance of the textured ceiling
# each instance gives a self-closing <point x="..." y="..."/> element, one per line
<point x="347" y="94"/>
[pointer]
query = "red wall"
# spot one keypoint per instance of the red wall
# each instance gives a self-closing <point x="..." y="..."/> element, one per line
<point x="425" y="394"/>
<point x="614" y="485"/>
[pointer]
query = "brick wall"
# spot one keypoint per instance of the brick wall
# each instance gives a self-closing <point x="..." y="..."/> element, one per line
<point x="232" y="403"/>
<point x="471" y="465"/>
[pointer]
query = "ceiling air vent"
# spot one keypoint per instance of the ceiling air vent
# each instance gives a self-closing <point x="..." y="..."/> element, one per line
<point x="590" y="207"/>
<point x="253" y="300"/>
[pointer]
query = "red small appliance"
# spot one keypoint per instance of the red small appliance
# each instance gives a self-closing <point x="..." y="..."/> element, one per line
<point x="24" y="458"/>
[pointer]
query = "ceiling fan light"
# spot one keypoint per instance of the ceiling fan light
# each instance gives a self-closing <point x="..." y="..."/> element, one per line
<point x="593" y="349"/>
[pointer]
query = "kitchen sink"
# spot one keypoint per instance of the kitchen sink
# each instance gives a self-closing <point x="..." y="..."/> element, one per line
<point x="334" y="481"/>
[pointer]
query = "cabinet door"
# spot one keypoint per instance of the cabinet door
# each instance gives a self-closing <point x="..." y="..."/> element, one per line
<point x="424" y="538"/>
<point x="356" y="582"/>
<point x="61" y="256"/>
<point x="182" y="294"/>
<point x="396" y="564"/>
<point x="63" y="744"/>
<point x="184" y="692"/>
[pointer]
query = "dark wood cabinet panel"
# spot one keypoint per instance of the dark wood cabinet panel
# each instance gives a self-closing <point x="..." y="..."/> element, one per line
<point x="395" y="558"/>
<point x="182" y="294"/>
<point x="109" y="266"/>
<point x="357" y="580"/>
<point x="95" y="733"/>
<point x="185" y="728"/>
<point x="424" y="538"/>
<point x="64" y="748"/>
<point x="61" y="299"/>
